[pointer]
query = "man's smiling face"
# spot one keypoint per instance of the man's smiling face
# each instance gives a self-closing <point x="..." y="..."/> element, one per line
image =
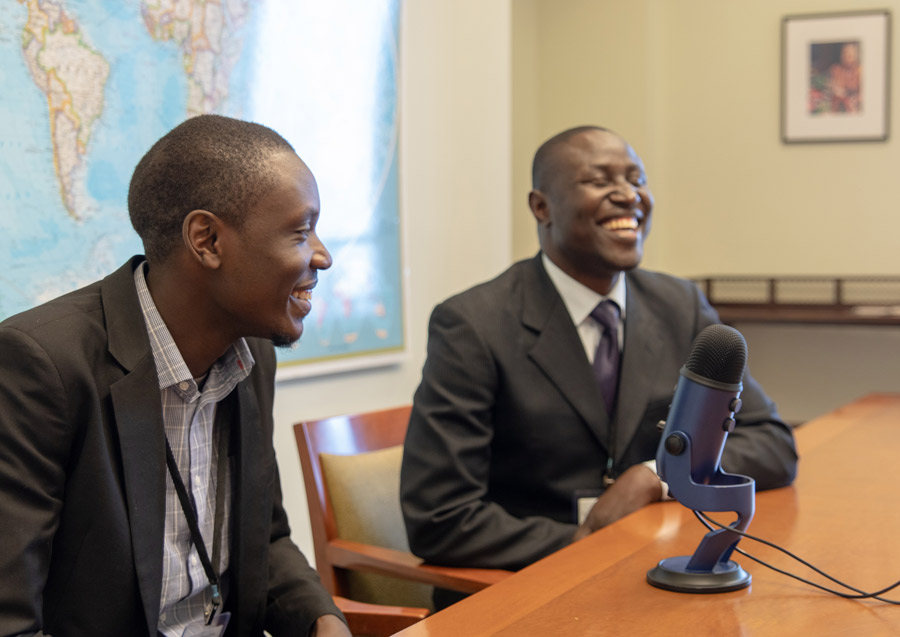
<point x="594" y="207"/>
<point x="271" y="264"/>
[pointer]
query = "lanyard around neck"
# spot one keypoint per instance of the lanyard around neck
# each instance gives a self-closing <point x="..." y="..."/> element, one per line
<point x="222" y="411"/>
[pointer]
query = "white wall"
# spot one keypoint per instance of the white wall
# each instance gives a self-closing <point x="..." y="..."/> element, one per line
<point x="455" y="183"/>
<point x="694" y="85"/>
<point x="754" y="205"/>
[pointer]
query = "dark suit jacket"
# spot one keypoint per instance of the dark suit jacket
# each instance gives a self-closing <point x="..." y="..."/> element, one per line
<point x="507" y="423"/>
<point x="82" y="479"/>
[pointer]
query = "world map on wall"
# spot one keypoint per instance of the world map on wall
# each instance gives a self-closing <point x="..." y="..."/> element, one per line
<point x="90" y="85"/>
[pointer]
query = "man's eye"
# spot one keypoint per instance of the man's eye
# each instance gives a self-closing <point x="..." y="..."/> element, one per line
<point x="637" y="180"/>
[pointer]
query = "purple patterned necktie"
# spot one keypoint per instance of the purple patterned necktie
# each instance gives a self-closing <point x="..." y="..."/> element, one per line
<point x="606" y="360"/>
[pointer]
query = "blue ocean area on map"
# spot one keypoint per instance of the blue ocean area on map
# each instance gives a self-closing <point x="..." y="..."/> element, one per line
<point x="90" y="85"/>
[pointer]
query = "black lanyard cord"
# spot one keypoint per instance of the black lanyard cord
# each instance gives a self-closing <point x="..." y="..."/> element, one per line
<point x="191" y="515"/>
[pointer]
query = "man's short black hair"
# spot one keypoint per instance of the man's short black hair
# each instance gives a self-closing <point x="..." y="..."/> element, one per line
<point x="208" y="162"/>
<point x="544" y="157"/>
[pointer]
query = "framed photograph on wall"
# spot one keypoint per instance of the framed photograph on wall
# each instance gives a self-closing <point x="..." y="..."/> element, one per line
<point x="835" y="77"/>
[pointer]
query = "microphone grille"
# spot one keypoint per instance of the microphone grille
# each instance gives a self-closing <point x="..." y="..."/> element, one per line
<point x="718" y="353"/>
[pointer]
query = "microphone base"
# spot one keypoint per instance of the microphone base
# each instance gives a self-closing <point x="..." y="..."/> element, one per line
<point x="672" y="575"/>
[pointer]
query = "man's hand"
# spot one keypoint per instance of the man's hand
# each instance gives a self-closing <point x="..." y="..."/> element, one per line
<point x="329" y="626"/>
<point x="635" y="488"/>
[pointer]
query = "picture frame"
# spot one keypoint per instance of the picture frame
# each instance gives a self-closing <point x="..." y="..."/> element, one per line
<point x="835" y="70"/>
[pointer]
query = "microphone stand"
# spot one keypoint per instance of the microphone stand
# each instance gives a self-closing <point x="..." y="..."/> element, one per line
<point x="709" y="569"/>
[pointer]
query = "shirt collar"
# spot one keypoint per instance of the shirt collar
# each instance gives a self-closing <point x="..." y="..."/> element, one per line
<point x="579" y="299"/>
<point x="171" y="370"/>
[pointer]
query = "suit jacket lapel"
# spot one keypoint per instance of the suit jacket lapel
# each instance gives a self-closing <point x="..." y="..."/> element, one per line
<point x="138" y="414"/>
<point x="558" y="350"/>
<point x="138" y="417"/>
<point x="251" y="509"/>
<point x="639" y="369"/>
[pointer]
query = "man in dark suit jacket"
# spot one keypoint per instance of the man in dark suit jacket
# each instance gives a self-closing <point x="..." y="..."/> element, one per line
<point x="509" y="433"/>
<point x="227" y="212"/>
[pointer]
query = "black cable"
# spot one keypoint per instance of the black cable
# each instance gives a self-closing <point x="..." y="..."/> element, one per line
<point x="706" y="520"/>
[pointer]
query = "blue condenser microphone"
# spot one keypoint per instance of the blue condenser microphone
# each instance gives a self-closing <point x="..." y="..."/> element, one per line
<point x="689" y="460"/>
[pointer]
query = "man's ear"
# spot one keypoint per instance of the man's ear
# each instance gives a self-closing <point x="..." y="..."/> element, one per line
<point x="200" y="232"/>
<point x="537" y="201"/>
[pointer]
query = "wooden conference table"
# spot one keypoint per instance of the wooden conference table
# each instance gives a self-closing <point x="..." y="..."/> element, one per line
<point x="842" y="514"/>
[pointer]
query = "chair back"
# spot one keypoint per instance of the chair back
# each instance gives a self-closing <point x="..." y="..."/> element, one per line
<point x="351" y="471"/>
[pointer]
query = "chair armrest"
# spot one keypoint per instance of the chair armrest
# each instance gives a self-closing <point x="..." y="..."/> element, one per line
<point x="375" y="559"/>
<point x="376" y="620"/>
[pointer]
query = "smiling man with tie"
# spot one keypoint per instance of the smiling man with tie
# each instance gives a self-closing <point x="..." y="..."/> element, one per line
<point x="535" y="422"/>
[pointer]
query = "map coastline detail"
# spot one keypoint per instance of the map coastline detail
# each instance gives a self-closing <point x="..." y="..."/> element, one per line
<point x="72" y="76"/>
<point x="90" y="85"/>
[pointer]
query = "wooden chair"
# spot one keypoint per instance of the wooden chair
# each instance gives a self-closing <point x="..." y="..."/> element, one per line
<point x="351" y="468"/>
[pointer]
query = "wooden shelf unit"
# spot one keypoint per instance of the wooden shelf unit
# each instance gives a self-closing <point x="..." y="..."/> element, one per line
<point x="849" y="300"/>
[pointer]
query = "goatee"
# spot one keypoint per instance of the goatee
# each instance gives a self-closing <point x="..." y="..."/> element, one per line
<point x="285" y="341"/>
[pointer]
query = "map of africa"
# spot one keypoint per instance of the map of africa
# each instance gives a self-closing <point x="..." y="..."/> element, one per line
<point x="89" y="85"/>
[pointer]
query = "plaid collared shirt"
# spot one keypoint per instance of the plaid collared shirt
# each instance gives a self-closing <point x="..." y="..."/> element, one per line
<point x="188" y="417"/>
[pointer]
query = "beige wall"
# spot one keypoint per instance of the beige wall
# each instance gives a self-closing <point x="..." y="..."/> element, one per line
<point x="694" y="85"/>
<point x="761" y="206"/>
<point x="455" y="173"/>
<point x="578" y="62"/>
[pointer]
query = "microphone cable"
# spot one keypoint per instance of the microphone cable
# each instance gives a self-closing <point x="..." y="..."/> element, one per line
<point x="860" y="594"/>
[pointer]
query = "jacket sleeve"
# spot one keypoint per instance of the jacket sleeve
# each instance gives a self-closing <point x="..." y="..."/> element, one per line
<point x="296" y="597"/>
<point x="35" y="436"/>
<point x="447" y="460"/>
